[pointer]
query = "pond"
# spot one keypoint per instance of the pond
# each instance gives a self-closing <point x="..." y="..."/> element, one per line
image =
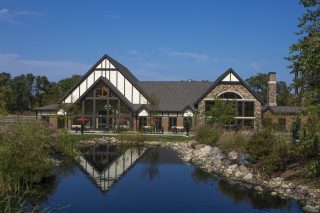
<point x="138" y="179"/>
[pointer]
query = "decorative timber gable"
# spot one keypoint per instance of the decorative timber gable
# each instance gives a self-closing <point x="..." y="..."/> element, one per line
<point x="114" y="72"/>
<point x="230" y="79"/>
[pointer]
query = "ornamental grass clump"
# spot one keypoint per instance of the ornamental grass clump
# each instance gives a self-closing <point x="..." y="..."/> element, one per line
<point x="24" y="155"/>
<point x="234" y="141"/>
<point x="208" y="135"/>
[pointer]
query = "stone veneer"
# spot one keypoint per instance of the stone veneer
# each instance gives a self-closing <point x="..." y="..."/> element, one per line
<point x="238" y="88"/>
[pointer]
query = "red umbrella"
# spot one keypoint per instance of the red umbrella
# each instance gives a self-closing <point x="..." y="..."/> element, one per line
<point x="82" y="119"/>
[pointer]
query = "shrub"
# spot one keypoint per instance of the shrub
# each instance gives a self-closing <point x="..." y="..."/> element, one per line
<point x="269" y="151"/>
<point x="234" y="141"/>
<point x="208" y="135"/>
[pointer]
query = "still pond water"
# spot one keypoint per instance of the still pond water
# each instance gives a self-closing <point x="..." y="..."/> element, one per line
<point x="136" y="179"/>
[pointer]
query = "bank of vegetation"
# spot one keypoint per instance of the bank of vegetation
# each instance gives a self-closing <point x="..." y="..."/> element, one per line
<point x="29" y="153"/>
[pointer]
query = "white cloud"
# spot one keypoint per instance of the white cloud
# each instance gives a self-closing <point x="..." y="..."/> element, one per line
<point x="256" y="66"/>
<point x="133" y="52"/>
<point x="195" y="56"/>
<point x="54" y="70"/>
<point x="9" y="16"/>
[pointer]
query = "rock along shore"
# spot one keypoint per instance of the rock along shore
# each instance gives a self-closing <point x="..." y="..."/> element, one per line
<point x="213" y="160"/>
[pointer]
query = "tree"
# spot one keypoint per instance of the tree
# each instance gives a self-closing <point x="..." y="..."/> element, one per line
<point x="5" y="92"/>
<point x="304" y="54"/>
<point x="305" y="65"/>
<point x="259" y="84"/>
<point x="221" y="113"/>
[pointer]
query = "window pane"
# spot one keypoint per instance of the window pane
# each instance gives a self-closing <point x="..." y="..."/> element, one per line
<point x="101" y="107"/>
<point x="88" y="107"/>
<point x="113" y="107"/>
<point x="248" y="109"/>
<point x="239" y="108"/>
<point x="208" y="105"/>
<point x="230" y="95"/>
<point x="248" y="123"/>
<point x="172" y="122"/>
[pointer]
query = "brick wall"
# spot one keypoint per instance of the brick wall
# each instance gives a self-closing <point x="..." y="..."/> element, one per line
<point x="180" y="121"/>
<point x="165" y="123"/>
<point x="53" y="122"/>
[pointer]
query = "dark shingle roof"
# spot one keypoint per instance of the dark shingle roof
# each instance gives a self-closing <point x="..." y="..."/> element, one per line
<point x="175" y="95"/>
<point x="50" y="107"/>
<point x="291" y="110"/>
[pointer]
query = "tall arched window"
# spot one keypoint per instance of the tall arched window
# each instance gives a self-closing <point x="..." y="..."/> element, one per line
<point x="244" y="108"/>
<point x="230" y="95"/>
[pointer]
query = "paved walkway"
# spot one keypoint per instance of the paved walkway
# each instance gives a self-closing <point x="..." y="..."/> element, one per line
<point x="97" y="132"/>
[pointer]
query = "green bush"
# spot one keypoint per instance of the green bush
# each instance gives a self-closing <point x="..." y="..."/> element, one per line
<point x="269" y="151"/>
<point x="234" y="141"/>
<point x="208" y="135"/>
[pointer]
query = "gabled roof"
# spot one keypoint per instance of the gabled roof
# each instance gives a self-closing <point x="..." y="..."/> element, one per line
<point x="220" y="80"/>
<point x="118" y="66"/>
<point x="175" y="96"/>
<point x="113" y="88"/>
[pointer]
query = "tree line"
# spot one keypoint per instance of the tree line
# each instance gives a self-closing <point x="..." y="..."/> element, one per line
<point x="24" y="92"/>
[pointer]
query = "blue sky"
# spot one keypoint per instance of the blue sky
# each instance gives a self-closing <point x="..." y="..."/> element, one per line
<point x="155" y="39"/>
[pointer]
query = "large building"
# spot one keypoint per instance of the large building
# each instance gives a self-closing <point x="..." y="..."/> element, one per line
<point x="112" y="98"/>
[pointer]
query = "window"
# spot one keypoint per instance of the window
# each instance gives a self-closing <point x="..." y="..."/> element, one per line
<point x="142" y="122"/>
<point x="282" y="123"/>
<point x="158" y="124"/>
<point x="172" y="122"/>
<point x="248" y="109"/>
<point x="248" y="123"/>
<point x="102" y="92"/>
<point x="61" y="122"/>
<point x="208" y="105"/>
<point x="230" y="95"/>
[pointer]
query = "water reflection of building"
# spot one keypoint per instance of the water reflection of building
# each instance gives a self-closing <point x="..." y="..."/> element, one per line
<point x="105" y="164"/>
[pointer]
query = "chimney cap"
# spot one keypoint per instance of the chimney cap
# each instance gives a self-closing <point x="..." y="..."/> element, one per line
<point x="270" y="73"/>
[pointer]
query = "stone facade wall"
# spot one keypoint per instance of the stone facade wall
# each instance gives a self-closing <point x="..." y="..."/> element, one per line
<point x="289" y="118"/>
<point x="238" y="88"/>
<point x="272" y="89"/>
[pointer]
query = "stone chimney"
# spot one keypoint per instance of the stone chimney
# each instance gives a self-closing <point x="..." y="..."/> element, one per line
<point x="272" y="89"/>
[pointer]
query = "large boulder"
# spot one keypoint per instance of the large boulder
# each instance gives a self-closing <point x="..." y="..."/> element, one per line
<point x="233" y="155"/>
<point x="220" y="155"/>
<point x="226" y="162"/>
<point x="248" y="177"/>
<point x="192" y="144"/>
<point x="243" y="158"/>
<point x="199" y="146"/>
